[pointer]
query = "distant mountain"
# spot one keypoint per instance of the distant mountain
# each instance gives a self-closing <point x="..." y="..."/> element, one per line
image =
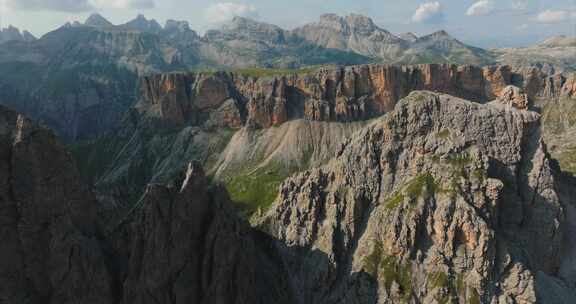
<point x="441" y="47"/>
<point x="556" y="54"/>
<point x="13" y="34"/>
<point x="410" y="37"/>
<point x="248" y="43"/>
<point x="359" y="34"/>
<point x="140" y="23"/>
<point x="97" y="20"/>
<point x="354" y="33"/>
<point x="559" y="41"/>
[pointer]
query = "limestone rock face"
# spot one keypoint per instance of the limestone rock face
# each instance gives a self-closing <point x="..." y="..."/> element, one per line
<point x="440" y="200"/>
<point x="334" y="94"/>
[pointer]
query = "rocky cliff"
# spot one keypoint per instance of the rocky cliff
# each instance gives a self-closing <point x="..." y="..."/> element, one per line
<point x="331" y="94"/>
<point x="442" y="200"/>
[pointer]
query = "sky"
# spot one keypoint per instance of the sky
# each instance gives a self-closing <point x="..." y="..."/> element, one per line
<point x="485" y="23"/>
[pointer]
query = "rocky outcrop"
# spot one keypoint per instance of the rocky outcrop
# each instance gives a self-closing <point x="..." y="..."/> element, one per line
<point x="440" y="200"/>
<point x="513" y="96"/>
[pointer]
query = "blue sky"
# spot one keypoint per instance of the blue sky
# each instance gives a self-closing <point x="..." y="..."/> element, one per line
<point x="484" y="23"/>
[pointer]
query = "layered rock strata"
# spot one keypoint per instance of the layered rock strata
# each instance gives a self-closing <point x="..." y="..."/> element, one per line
<point x="332" y="94"/>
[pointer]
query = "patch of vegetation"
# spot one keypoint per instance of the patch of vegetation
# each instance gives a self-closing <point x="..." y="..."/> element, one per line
<point x="474" y="297"/>
<point x="454" y="287"/>
<point x="444" y="134"/>
<point x="567" y="161"/>
<point x="439" y="279"/>
<point x="460" y="284"/>
<point x="390" y="270"/>
<point x="479" y="174"/>
<point x="257" y="190"/>
<point x="424" y="185"/>
<point x="459" y="160"/>
<point x="266" y="72"/>
<point x="458" y="163"/>
<point x="394" y="202"/>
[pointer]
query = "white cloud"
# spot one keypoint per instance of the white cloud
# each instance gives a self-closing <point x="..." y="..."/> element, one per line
<point x="430" y="12"/>
<point x="124" y="4"/>
<point x="553" y="16"/>
<point x="520" y="4"/>
<point x="226" y="11"/>
<point x="481" y="8"/>
<point x="522" y="27"/>
<point x="77" y="5"/>
<point x="52" y="5"/>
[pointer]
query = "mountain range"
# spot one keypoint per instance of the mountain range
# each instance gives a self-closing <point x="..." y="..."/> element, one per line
<point x="80" y="78"/>
<point x="333" y="163"/>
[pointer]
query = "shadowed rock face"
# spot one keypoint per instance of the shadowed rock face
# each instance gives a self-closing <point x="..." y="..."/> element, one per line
<point x="50" y="238"/>
<point x="337" y="94"/>
<point x="186" y="245"/>
<point x="181" y="244"/>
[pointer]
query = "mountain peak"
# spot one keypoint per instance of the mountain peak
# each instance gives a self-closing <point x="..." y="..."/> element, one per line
<point x="359" y="20"/>
<point x="96" y="20"/>
<point x="140" y="23"/>
<point x="559" y="41"/>
<point x="247" y="24"/>
<point x="12" y="33"/>
<point x="181" y="26"/>
<point x="441" y="34"/>
<point x="410" y="37"/>
<point x="242" y="28"/>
